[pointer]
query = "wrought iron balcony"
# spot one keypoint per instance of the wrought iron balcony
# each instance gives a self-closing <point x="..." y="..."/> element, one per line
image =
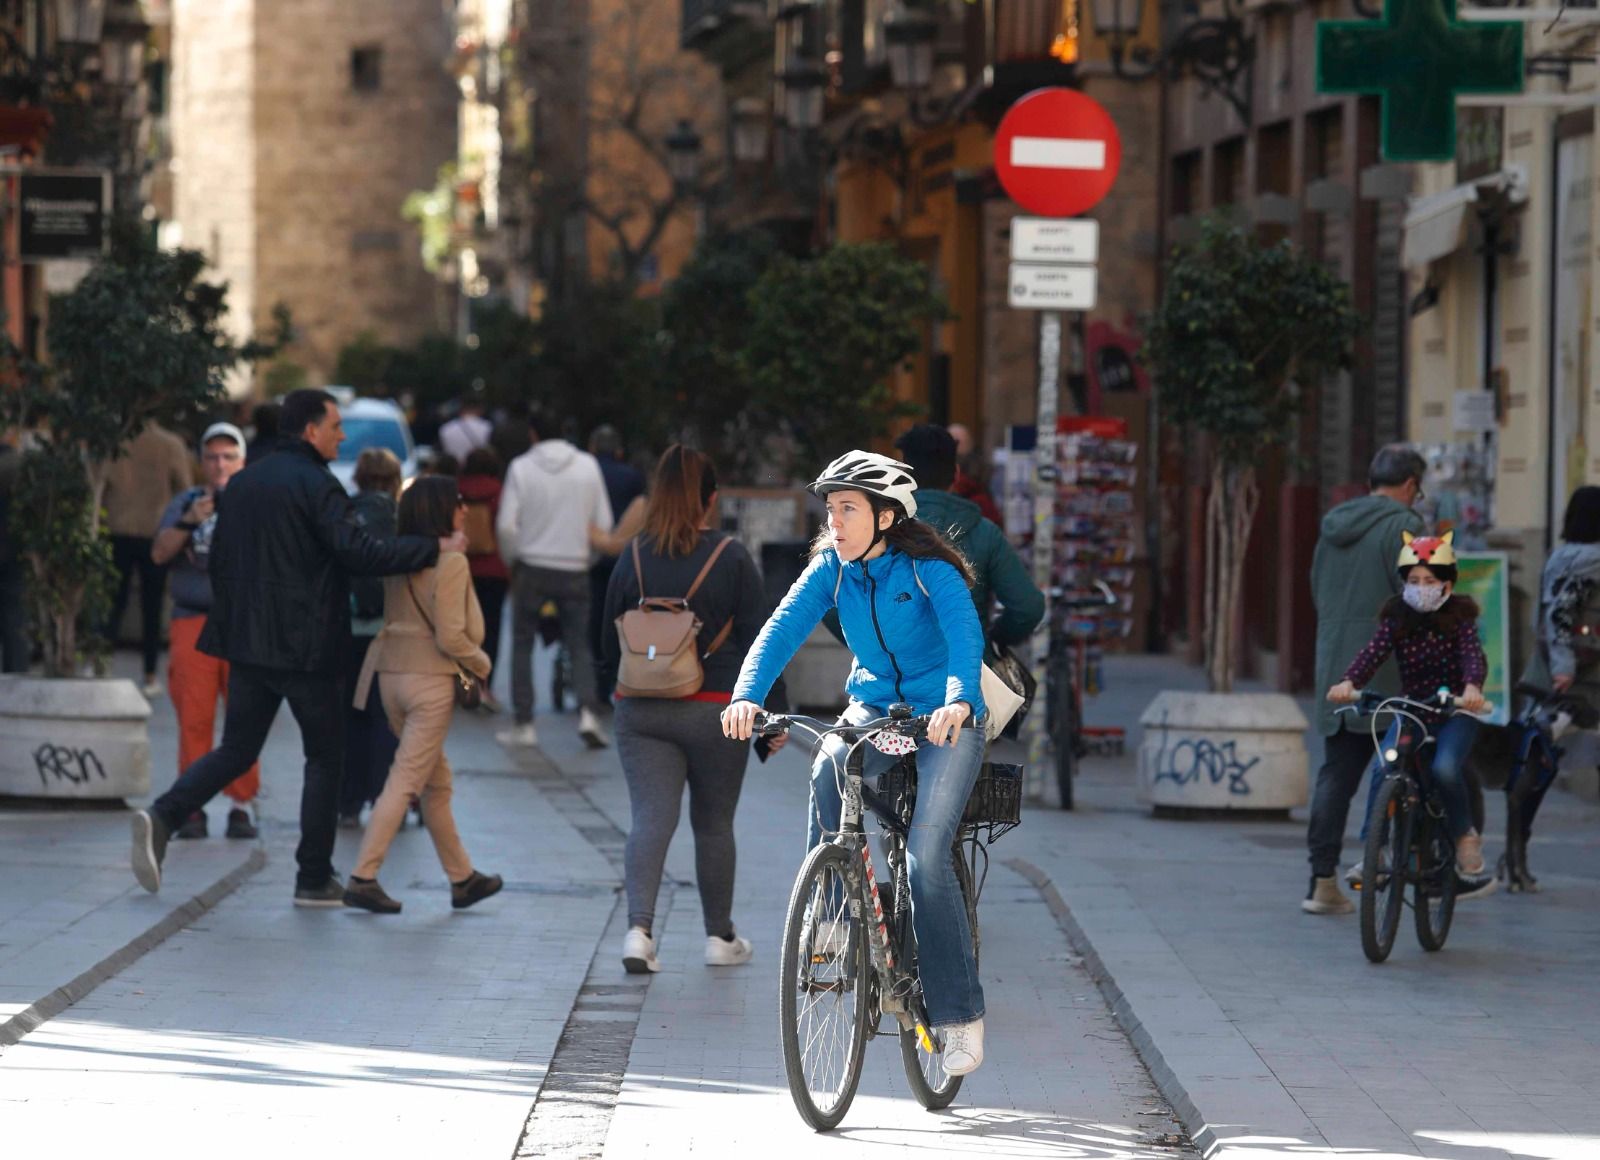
<point x="706" y="21"/>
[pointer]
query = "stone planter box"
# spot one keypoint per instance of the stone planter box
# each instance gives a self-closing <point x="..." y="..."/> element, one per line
<point x="73" y="739"/>
<point x="1223" y="751"/>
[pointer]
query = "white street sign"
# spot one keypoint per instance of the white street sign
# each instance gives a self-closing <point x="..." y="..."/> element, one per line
<point x="1054" y="239"/>
<point x="1052" y="287"/>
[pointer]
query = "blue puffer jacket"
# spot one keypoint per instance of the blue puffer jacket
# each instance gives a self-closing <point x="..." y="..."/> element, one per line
<point x="925" y="650"/>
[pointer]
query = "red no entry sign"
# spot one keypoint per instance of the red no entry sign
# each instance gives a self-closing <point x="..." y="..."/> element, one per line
<point x="1057" y="152"/>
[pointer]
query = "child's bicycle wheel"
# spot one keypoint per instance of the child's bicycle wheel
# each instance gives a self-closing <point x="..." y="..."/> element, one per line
<point x="1434" y="899"/>
<point x="1383" y="870"/>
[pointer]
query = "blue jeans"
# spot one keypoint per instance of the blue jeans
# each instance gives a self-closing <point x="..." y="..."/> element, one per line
<point x="945" y="776"/>
<point x="1452" y="745"/>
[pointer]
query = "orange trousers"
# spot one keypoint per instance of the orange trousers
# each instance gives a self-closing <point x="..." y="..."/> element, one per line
<point x="195" y="682"/>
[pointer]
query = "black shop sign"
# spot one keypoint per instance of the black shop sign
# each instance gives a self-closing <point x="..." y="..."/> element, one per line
<point x="63" y="215"/>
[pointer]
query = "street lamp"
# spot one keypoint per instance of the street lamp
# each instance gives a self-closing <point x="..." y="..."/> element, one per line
<point x="748" y="118"/>
<point x="803" y="83"/>
<point x="908" y="37"/>
<point x="1218" y="52"/>
<point x="683" y="155"/>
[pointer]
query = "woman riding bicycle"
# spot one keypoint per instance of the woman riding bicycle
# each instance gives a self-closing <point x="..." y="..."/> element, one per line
<point x="908" y="618"/>
<point x="1434" y="635"/>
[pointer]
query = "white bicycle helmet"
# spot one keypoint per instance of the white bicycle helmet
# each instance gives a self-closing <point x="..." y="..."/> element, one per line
<point x="869" y="472"/>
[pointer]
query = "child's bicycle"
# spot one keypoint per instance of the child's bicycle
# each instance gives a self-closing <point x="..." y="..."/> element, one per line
<point x="1545" y="716"/>
<point x="849" y="953"/>
<point x="1408" y="840"/>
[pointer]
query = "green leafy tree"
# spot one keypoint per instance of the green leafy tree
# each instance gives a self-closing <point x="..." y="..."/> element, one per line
<point x="598" y="362"/>
<point x="1240" y="326"/>
<point x="364" y="363"/>
<point x="141" y="337"/>
<point x="705" y="316"/>
<point x="824" y="335"/>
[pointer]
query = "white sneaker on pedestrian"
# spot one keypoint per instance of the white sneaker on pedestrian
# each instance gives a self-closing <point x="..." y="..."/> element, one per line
<point x="963" y="1047"/>
<point x="721" y="952"/>
<point x="518" y="737"/>
<point x="590" y="730"/>
<point x="639" y="952"/>
<point x="151" y="688"/>
<point x="1325" y="897"/>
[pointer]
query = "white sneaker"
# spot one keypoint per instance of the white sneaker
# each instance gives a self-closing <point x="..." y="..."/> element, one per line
<point x="151" y="689"/>
<point x="722" y="953"/>
<point x="519" y="737"/>
<point x="591" y="732"/>
<point x="963" y="1047"/>
<point x="639" y="952"/>
<point x="1469" y="855"/>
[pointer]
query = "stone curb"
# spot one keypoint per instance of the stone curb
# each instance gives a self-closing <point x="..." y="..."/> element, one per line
<point x="13" y="1030"/>
<point x="1166" y="1077"/>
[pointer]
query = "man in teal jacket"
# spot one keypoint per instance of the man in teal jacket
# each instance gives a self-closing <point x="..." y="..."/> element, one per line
<point x="931" y="453"/>
<point x="1352" y="574"/>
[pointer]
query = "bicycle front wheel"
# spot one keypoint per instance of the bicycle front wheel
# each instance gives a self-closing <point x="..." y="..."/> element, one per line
<point x="823" y="987"/>
<point x="933" y="1087"/>
<point x="1434" y="900"/>
<point x="1383" y="870"/>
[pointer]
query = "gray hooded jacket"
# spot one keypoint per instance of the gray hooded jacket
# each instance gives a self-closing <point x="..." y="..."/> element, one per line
<point x="1353" y="571"/>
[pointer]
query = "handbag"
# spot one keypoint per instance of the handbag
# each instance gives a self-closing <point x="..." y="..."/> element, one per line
<point x="659" y="638"/>
<point x="1009" y="669"/>
<point x="469" y="689"/>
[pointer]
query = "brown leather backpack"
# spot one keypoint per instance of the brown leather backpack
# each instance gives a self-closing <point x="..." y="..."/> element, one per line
<point x="660" y="655"/>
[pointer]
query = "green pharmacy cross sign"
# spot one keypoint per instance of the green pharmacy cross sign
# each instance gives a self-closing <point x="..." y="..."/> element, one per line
<point x="1417" y="59"/>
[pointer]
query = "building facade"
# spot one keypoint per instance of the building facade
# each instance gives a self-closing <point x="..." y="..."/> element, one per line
<point x="299" y="127"/>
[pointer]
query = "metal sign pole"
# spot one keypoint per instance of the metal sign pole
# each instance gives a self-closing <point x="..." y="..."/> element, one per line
<point x="1045" y="473"/>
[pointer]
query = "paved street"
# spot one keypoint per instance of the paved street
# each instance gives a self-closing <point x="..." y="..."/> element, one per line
<point x="511" y="1030"/>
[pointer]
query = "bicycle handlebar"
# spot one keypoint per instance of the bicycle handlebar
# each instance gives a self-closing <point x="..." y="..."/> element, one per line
<point x="772" y="724"/>
<point x="1106" y="598"/>
<point x="1369" y="701"/>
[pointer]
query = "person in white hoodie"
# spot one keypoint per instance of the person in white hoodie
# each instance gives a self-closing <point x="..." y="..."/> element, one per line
<point x="553" y="494"/>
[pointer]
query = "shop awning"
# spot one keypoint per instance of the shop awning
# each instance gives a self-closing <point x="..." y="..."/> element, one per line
<point x="1436" y="225"/>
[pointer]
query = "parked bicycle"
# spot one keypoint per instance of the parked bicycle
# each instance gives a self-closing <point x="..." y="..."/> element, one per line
<point x="1063" y="687"/>
<point x="1408" y="839"/>
<point x="849" y="954"/>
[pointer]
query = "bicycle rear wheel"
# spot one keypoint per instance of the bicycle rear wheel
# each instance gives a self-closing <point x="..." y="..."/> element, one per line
<point x="1434" y="899"/>
<point x="933" y="1087"/>
<point x="1383" y="870"/>
<point x="823" y="988"/>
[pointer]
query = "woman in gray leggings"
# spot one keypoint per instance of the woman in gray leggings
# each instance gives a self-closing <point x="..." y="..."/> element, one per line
<point x="666" y="744"/>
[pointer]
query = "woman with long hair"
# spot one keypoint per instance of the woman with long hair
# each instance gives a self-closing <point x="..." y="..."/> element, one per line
<point x="663" y="743"/>
<point x="432" y="630"/>
<point x="905" y="606"/>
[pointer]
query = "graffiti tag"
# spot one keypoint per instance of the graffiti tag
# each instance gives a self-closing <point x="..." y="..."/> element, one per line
<point x="1191" y="759"/>
<point x="77" y="766"/>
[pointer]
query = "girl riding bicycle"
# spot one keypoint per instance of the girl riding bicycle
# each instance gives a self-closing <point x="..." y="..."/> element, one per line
<point x="1434" y="635"/>
<point x="904" y="605"/>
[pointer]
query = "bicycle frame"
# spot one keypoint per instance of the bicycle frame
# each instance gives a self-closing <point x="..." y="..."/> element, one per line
<point x="894" y="981"/>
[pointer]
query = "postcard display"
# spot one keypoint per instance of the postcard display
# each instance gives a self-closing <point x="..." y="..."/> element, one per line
<point x="1096" y="538"/>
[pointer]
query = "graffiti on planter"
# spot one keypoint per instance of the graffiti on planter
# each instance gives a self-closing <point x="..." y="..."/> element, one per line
<point x="62" y="762"/>
<point x="1193" y="758"/>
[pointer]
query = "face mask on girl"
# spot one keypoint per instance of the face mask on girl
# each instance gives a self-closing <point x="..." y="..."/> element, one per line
<point x="1425" y="597"/>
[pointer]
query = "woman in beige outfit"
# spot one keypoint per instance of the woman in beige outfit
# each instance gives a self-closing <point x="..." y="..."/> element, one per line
<point x="432" y="628"/>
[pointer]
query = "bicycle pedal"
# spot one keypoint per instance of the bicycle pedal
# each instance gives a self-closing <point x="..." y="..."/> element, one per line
<point x="924" y="1040"/>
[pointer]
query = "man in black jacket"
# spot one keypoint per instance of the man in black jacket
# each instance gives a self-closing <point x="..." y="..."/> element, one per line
<point x="285" y="545"/>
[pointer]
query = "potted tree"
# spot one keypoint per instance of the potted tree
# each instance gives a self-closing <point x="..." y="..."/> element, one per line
<point x="140" y="337"/>
<point x="1241" y="324"/>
